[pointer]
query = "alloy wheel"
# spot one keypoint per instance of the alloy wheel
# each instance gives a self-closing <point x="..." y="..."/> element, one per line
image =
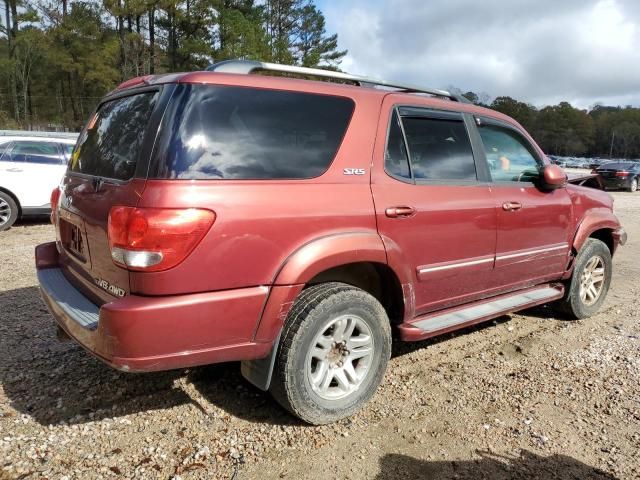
<point x="592" y="280"/>
<point x="340" y="357"/>
<point x="5" y="212"/>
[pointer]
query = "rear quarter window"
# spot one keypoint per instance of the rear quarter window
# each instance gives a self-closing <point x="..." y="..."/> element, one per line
<point x="221" y="132"/>
<point x="110" y="144"/>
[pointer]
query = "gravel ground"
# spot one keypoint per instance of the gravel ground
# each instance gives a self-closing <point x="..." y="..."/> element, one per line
<point x="525" y="396"/>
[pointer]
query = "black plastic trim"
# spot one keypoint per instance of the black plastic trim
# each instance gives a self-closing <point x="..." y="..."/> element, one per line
<point x="27" y="211"/>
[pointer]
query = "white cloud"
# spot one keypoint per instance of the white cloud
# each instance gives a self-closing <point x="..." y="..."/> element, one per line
<point x="540" y="51"/>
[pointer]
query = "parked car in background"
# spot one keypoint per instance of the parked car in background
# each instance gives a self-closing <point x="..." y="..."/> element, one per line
<point x="620" y="175"/>
<point x="293" y="225"/>
<point x="30" y="167"/>
<point x="561" y="162"/>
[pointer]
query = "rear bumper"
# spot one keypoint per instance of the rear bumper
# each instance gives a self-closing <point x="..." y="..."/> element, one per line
<point x="613" y="183"/>
<point x="138" y="333"/>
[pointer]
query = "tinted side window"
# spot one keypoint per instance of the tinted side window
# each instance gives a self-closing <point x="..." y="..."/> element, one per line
<point x="111" y="143"/>
<point x="510" y="156"/>
<point x="396" y="161"/>
<point x="67" y="150"/>
<point x="36" y="152"/>
<point x="439" y="149"/>
<point x="219" y="132"/>
<point x="4" y="151"/>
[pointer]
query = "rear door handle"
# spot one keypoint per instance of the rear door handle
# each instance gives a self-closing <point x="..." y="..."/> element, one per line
<point x="13" y="170"/>
<point x="395" y="212"/>
<point x="511" y="206"/>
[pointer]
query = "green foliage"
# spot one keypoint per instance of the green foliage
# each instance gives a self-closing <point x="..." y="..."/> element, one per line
<point x="59" y="58"/>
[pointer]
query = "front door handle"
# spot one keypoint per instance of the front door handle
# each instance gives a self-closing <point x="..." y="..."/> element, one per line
<point x="13" y="170"/>
<point x="511" y="206"/>
<point x="395" y="212"/>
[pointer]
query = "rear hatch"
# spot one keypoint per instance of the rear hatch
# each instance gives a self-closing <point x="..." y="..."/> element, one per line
<point x="108" y="168"/>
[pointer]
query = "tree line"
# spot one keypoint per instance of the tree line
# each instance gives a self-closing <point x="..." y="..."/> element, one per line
<point x="59" y="57"/>
<point x="602" y="131"/>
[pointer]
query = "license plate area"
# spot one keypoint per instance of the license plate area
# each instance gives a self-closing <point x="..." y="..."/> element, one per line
<point x="74" y="238"/>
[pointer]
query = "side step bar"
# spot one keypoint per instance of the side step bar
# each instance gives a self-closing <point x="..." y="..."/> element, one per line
<point x="443" y="321"/>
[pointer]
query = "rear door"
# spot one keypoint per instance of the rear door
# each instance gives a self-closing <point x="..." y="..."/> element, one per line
<point x="433" y="209"/>
<point x="41" y="166"/>
<point x="533" y="240"/>
<point x="108" y="167"/>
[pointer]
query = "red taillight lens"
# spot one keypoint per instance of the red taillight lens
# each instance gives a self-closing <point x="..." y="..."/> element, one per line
<point x="55" y="198"/>
<point x="154" y="239"/>
<point x="622" y="174"/>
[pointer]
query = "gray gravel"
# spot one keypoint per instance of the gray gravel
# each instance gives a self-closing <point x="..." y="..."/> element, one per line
<point x="525" y="396"/>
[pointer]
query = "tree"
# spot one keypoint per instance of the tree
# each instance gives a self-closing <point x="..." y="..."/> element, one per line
<point x="523" y="113"/>
<point x="312" y="47"/>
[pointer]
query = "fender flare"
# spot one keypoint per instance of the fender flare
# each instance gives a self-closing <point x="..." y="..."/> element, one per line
<point x="596" y="220"/>
<point x="330" y="251"/>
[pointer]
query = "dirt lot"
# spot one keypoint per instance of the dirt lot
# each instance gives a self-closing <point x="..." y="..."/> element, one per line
<point x="526" y="396"/>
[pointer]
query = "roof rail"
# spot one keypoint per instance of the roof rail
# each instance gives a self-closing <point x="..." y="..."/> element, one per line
<point x="250" y="66"/>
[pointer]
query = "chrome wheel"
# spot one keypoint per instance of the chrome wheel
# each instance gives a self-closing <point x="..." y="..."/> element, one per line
<point x="634" y="185"/>
<point x="340" y="357"/>
<point x="592" y="280"/>
<point x="5" y="212"/>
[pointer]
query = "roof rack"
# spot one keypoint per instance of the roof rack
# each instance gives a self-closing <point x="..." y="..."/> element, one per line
<point x="250" y="66"/>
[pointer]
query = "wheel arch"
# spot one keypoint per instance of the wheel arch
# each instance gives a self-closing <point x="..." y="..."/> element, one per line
<point x="601" y="226"/>
<point x="15" y="199"/>
<point x="357" y="258"/>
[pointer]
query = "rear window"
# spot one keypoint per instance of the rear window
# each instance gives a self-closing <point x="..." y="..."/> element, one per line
<point x="616" y="166"/>
<point x="111" y="143"/>
<point x="220" y="132"/>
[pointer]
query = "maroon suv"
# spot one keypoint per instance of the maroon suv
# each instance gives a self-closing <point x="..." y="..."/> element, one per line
<point x="294" y="225"/>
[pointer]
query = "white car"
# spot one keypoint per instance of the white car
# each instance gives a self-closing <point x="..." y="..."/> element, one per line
<point x="30" y="168"/>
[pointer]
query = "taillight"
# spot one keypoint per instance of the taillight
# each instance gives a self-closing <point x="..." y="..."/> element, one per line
<point x="594" y="171"/>
<point x="154" y="239"/>
<point x="55" y="198"/>
<point x="622" y="174"/>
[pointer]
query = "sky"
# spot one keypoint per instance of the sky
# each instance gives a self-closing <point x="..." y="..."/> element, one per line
<point x="539" y="51"/>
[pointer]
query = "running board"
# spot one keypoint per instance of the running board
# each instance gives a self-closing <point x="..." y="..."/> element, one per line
<point x="462" y="316"/>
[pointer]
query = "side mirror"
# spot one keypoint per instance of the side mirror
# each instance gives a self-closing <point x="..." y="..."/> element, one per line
<point x="553" y="177"/>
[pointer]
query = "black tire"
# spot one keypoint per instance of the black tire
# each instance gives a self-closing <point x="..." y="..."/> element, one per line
<point x="573" y="304"/>
<point x="316" y="309"/>
<point x="634" y="185"/>
<point x="8" y="211"/>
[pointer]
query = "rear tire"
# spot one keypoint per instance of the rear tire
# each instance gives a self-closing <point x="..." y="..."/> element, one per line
<point x="335" y="347"/>
<point x="8" y="211"/>
<point x="634" y="185"/>
<point x="590" y="281"/>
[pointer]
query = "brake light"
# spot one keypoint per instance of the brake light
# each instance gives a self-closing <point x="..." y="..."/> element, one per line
<point x="154" y="239"/>
<point x="622" y="174"/>
<point x="55" y="198"/>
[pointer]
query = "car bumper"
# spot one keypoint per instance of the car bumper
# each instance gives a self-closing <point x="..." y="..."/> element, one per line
<point x="619" y="236"/>
<point x="616" y="184"/>
<point x="137" y="333"/>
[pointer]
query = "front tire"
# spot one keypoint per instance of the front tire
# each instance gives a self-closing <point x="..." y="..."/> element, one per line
<point x="590" y="281"/>
<point x="335" y="347"/>
<point x="8" y="211"/>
